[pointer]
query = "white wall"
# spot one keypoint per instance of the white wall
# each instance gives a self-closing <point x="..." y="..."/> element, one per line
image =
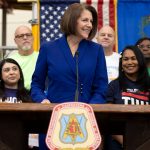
<point x="16" y="18"/>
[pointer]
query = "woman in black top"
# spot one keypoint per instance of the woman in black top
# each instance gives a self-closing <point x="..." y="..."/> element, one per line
<point x="133" y="84"/>
<point x="12" y="90"/>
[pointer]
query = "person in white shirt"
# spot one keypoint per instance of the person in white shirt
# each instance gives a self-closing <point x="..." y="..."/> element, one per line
<point x="106" y="37"/>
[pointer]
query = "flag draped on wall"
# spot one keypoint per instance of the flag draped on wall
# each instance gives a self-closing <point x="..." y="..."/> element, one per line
<point x="129" y="18"/>
<point x="51" y="12"/>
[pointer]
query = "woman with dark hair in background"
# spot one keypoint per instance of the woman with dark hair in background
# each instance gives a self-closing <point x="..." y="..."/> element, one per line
<point x="144" y="45"/>
<point x="12" y="88"/>
<point x="132" y="86"/>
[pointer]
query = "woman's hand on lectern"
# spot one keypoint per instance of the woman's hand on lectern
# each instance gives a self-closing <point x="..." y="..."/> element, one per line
<point x="45" y="101"/>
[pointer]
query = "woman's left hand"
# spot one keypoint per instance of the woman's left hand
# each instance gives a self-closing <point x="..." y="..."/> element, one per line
<point x="45" y="101"/>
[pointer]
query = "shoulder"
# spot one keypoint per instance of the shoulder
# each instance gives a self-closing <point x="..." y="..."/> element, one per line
<point x="24" y="95"/>
<point x="35" y="54"/>
<point x="114" y="83"/>
<point x="14" y="54"/>
<point x="92" y="43"/>
<point x="92" y="46"/>
<point x="115" y="54"/>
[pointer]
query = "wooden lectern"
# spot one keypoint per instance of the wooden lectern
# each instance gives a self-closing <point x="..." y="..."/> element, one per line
<point x="133" y="121"/>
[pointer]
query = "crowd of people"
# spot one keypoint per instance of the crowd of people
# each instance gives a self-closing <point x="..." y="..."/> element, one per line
<point x="74" y="68"/>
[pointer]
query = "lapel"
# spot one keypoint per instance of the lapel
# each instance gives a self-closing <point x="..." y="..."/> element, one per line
<point x="67" y="53"/>
<point x="82" y="49"/>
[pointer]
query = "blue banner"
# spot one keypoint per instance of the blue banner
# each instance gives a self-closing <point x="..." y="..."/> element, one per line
<point x="133" y="21"/>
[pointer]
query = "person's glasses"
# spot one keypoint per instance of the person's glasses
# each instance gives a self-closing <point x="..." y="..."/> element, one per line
<point x="21" y="36"/>
<point x="144" y="46"/>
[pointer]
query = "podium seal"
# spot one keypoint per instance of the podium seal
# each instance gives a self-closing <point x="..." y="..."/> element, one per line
<point x="73" y="127"/>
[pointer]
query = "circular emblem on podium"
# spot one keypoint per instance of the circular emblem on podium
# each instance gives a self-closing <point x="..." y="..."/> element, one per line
<point x="73" y="127"/>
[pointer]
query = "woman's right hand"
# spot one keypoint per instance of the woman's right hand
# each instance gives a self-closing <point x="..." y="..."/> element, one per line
<point x="45" y="101"/>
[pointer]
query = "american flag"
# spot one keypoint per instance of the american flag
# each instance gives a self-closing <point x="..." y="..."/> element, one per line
<point x="51" y="12"/>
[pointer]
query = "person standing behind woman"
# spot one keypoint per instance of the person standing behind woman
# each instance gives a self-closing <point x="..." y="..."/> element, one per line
<point x="144" y="45"/>
<point x="59" y="60"/>
<point x="25" y="56"/>
<point x="106" y="37"/>
<point x="133" y="84"/>
<point x="12" y="88"/>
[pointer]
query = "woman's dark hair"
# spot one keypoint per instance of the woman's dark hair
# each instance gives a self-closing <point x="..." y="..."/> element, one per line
<point x="141" y="40"/>
<point x="69" y="19"/>
<point x="143" y="77"/>
<point x="22" y="93"/>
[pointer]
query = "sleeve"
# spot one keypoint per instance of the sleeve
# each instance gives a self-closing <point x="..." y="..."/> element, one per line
<point x="100" y="82"/>
<point x="39" y="76"/>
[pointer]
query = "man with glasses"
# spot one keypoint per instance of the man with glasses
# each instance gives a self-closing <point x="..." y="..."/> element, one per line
<point x="25" y="56"/>
<point x="144" y="45"/>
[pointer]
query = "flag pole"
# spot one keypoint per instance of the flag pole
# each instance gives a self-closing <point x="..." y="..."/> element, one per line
<point x="116" y="26"/>
<point x="35" y="25"/>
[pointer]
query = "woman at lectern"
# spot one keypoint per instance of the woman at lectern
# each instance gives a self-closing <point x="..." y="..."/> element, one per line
<point x="132" y="87"/>
<point x="75" y="66"/>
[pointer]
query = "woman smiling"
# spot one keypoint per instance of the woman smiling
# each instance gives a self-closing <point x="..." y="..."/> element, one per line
<point x="133" y="84"/>
<point x="12" y="88"/>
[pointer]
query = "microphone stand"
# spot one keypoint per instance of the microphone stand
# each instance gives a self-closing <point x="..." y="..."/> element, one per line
<point x="77" y="77"/>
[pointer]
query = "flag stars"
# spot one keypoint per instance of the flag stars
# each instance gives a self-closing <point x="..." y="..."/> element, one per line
<point x="42" y="8"/>
<point x="51" y="35"/>
<point x="46" y="12"/>
<point x="55" y="13"/>
<point x="55" y="30"/>
<point x="43" y="25"/>
<point x="43" y="17"/>
<point x="60" y="35"/>
<point x="48" y="39"/>
<point x="47" y="30"/>
<point x="43" y="35"/>
<point x="50" y="8"/>
<point x="55" y="21"/>
<point x="51" y="26"/>
<point x="51" y="17"/>
<point x="50" y="22"/>
<point x="47" y="21"/>
<point x="62" y="12"/>
<point x="58" y="17"/>
<point x="58" y="8"/>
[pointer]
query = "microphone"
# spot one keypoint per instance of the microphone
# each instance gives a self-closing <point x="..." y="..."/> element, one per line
<point x="77" y="77"/>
